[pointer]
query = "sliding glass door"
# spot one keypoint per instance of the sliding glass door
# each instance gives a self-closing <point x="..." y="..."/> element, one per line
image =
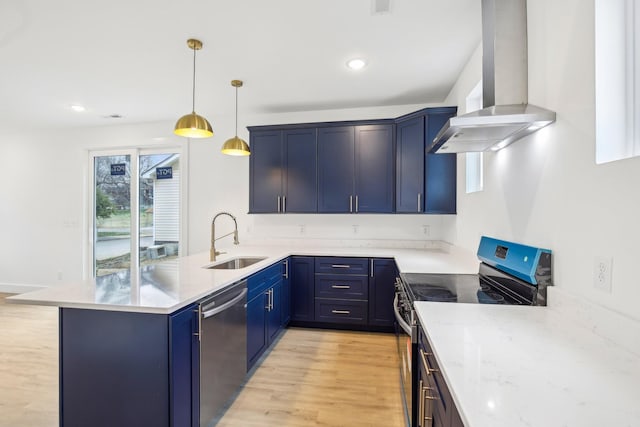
<point x="136" y="211"/>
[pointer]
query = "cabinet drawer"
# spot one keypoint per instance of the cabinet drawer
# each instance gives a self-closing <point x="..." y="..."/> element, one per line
<point x="443" y="404"/>
<point x="335" y="311"/>
<point x="342" y="265"/>
<point x="341" y="286"/>
<point x="260" y="281"/>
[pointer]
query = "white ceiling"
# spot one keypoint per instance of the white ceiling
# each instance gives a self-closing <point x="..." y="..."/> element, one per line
<point x="129" y="57"/>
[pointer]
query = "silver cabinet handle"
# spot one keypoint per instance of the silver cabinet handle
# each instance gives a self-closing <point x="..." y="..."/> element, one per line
<point x="286" y="268"/>
<point x="419" y="200"/>
<point x="340" y="312"/>
<point x="341" y="286"/>
<point x="356" y="203"/>
<point x="371" y="267"/>
<point x="278" y="204"/>
<point x="350" y="203"/>
<point x="284" y="204"/>
<point x="340" y="266"/>
<point x="199" y="311"/>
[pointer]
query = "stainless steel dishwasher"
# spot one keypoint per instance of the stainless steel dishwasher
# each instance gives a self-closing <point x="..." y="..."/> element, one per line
<point x="223" y="350"/>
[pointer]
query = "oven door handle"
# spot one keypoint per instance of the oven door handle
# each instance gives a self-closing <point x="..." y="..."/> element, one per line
<point x="404" y="325"/>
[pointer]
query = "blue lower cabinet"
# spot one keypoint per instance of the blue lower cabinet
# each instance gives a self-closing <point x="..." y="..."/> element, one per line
<point x="302" y="289"/>
<point x="256" y="336"/>
<point x="381" y="293"/>
<point x="128" y="369"/>
<point x="434" y="398"/>
<point x="264" y="311"/>
<point x="274" y="311"/>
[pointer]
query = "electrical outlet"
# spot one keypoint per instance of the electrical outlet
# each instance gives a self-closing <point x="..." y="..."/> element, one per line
<point x="302" y="229"/>
<point x="59" y="275"/>
<point x="355" y="229"/>
<point x="602" y="273"/>
<point x="425" y="230"/>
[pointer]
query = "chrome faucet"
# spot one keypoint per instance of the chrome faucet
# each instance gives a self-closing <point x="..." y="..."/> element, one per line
<point x="212" y="252"/>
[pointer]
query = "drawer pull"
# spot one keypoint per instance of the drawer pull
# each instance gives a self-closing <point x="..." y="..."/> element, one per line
<point x="423" y="355"/>
<point x="341" y="286"/>
<point x="340" y="266"/>
<point x="340" y="312"/>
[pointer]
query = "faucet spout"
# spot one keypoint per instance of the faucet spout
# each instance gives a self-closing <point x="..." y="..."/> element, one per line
<point x="213" y="252"/>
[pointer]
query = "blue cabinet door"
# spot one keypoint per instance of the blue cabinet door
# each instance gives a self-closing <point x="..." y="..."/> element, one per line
<point x="184" y="398"/>
<point x="374" y="169"/>
<point x="440" y="171"/>
<point x="274" y="311"/>
<point x="336" y="155"/>
<point x="266" y="164"/>
<point x="410" y="158"/>
<point x="256" y="336"/>
<point x="381" y="293"/>
<point x="302" y="289"/>
<point x="300" y="182"/>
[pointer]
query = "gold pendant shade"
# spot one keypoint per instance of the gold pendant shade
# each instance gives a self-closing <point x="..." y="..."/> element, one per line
<point x="193" y="125"/>
<point x="236" y="146"/>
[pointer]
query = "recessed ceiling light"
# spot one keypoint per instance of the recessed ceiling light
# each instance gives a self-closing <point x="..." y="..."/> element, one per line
<point x="356" y="64"/>
<point x="77" y="108"/>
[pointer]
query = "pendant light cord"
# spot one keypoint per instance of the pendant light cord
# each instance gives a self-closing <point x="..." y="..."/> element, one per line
<point x="193" y="86"/>
<point x="236" y="111"/>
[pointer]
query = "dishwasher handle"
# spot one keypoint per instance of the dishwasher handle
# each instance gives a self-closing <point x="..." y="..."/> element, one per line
<point x="226" y="305"/>
<point x="396" y="311"/>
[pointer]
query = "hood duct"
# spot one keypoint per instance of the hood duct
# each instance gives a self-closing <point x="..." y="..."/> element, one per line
<point x="507" y="116"/>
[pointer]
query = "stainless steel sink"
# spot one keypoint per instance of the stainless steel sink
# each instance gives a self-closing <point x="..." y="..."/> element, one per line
<point x="236" y="263"/>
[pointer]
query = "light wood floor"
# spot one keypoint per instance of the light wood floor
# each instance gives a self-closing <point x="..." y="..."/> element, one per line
<point x="310" y="378"/>
<point x="28" y="365"/>
<point x="323" y="378"/>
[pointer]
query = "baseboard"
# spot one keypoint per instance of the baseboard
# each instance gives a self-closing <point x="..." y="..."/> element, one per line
<point x="15" y="288"/>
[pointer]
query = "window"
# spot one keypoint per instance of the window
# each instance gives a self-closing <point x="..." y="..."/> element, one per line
<point x="474" y="160"/>
<point x="617" y="68"/>
<point x="135" y="206"/>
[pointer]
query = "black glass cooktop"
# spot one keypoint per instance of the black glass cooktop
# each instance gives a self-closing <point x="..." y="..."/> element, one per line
<point x="463" y="288"/>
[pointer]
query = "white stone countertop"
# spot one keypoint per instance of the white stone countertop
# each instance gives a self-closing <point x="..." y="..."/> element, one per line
<point x="514" y="366"/>
<point x="172" y="285"/>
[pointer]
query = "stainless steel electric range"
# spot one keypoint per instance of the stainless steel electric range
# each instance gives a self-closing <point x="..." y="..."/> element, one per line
<point x="509" y="273"/>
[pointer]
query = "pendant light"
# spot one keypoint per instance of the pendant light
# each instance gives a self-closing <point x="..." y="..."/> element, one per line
<point x="236" y="146"/>
<point x="193" y="125"/>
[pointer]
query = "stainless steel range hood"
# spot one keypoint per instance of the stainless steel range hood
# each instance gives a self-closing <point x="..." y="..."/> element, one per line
<point x="507" y="116"/>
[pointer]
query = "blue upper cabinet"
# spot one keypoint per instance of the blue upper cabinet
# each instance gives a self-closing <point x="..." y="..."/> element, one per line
<point x="336" y="156"/>
<point x="410" y="158"/>
<point x="300" y="184"/>
<point x="265" y="190"/>
<point x="283" y="171"/>
<point x="424" y="182"/>
<point x="356" y="169"/>
<point x="374" y="169"/>
<point x="439" y="169"/>
<point x="368" y="166"/>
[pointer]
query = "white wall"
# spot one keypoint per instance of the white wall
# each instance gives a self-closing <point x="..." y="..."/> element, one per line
<point x="43" y="199"/>
<point x="546" y="190"/>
